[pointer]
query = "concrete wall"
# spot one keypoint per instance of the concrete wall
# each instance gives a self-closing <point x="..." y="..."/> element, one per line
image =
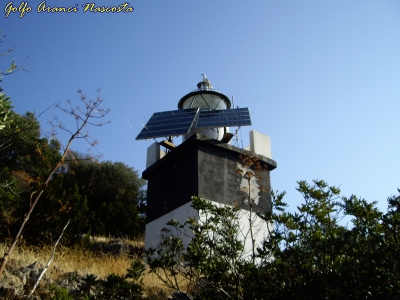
<point x="158" y="228"/>
<point x="221" y="179"/>
<point x="260" y="231"/>
<point x="154" y="228"/>
<point x="208" y="170"/>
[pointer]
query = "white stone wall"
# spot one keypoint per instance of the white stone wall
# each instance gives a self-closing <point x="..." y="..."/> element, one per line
<point x="181" y="214"/>
<point x="153" y="229"/>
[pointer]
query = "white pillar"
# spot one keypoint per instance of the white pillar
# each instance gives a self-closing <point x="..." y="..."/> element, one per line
<point x="260" y="144"/>
<point x="154" y="153"/>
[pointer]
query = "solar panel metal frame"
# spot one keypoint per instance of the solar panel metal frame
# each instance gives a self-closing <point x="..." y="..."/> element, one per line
<point x="224" y="118"/>
<point x="168" y="123"/>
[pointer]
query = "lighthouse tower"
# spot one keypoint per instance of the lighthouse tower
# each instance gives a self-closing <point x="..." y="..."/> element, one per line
<point x="204" y="164"/>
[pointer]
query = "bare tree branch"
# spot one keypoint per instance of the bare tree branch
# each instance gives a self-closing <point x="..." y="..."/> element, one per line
<point x="82" y="120"/>
<point x="49" y="262"/>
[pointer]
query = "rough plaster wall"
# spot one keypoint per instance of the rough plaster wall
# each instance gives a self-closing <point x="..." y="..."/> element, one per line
<point x="181" y="214"/>
<point x="219" y="180"/>
<point x="255" y="188"/>
<point x="260" y="231"/>
<point x="153" y="229"/>
<point x="207" y="171"/>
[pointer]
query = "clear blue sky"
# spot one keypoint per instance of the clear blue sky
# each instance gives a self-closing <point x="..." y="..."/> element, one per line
<point x="321" y="78"/>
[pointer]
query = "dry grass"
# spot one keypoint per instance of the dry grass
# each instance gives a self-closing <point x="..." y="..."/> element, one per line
<point x="69" y="260"/>
<point x="76" y="260"/>
<point x="139" y="242"/>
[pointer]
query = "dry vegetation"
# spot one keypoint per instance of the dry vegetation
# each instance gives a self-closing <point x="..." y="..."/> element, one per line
<point x="77" y="260"/>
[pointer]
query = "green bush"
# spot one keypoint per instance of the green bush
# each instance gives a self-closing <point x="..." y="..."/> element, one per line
<point x="309" y="254"/>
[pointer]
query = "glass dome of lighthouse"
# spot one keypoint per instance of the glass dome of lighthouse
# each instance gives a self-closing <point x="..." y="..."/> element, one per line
<point x="205" y="97"/>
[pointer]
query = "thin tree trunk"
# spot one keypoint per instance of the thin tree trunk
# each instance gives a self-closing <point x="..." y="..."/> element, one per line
<point x="28" y="214"/>
<point x="90" y="107"/>
<point x="49" y="262"/>
<point x="253" y="242"/>
<point x="26" y="218"/>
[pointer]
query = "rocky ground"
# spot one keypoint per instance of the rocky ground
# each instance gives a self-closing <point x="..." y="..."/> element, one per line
<point x="18" y="280"/>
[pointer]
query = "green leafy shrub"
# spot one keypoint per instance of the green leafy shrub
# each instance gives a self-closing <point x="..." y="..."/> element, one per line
<point x="309" y="254"/>
<point x="59" y="293"/>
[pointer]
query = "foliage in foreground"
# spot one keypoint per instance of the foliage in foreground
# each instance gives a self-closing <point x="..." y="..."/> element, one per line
<point x="128" y="286"/>
<point x="309" y="254"/>
<point x="100" y="198"/>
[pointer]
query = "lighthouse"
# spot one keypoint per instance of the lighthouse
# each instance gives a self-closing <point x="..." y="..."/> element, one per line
<point x="205" y="98"/>
<point x="204" y="164"/>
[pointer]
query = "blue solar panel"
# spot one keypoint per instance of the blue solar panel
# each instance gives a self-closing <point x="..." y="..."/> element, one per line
<point x="179" y="122"/>
<point x="168" y="123"/>
<point x="224" y="118"/>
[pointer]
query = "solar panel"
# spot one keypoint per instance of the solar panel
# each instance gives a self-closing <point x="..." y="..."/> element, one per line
<point x="224" y="118"/>
<point x="168" y="123"/>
